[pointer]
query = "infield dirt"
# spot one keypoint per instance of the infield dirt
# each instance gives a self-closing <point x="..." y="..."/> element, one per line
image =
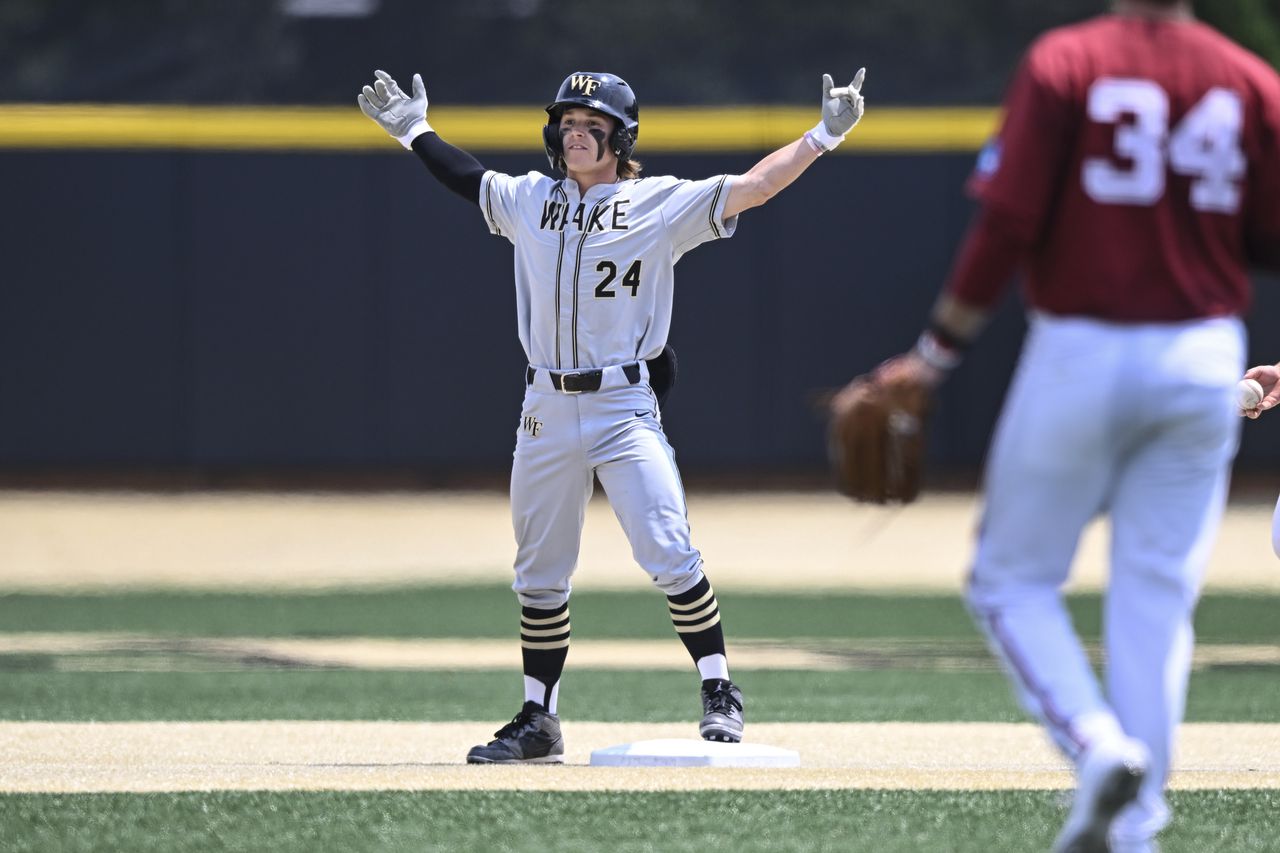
<point x="81" y="757"/>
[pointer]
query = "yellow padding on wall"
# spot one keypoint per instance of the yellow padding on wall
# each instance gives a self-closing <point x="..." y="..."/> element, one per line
<point x="493" y="129"/>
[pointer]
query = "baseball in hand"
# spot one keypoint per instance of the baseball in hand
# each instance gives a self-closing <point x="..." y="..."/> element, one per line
<point x="1248" y="394"/>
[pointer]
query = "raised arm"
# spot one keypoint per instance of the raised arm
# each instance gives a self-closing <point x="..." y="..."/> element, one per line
<point x="841" y="109"/>
<point x="405" y="117"/>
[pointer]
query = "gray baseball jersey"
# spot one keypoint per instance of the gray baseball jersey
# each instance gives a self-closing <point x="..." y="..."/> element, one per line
<point x="594" y="272"/>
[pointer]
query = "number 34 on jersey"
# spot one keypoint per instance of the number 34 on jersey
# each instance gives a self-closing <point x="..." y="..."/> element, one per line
<point x="1204" y="145"/>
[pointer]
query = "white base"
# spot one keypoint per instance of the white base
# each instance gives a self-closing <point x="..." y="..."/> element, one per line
<point x="675" y="752"/>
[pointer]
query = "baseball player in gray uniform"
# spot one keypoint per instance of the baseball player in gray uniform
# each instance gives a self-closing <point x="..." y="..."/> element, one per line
<point x="594" y="257"/>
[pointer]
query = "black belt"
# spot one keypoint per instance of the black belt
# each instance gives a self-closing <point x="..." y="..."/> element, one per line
<point x="577" y="381"/>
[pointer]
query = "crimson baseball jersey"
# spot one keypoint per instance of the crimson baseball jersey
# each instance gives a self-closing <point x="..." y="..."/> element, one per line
<point x="1136" y="173"/>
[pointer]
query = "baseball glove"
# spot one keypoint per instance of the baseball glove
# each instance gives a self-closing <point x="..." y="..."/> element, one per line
<point x="875" y="437"/>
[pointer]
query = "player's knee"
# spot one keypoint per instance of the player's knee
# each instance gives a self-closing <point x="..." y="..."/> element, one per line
<point x="677" y="579"/>
<point x="992" y="589"/>
<point x="984" y="587"/>
<point x="543" y="599"/>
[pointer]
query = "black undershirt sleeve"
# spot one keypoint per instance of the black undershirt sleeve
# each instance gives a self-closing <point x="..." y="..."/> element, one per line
<point x="451" y="166"/>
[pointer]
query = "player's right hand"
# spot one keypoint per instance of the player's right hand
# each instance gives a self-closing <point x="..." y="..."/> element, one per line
<point x="1268" y="376"/>
<point x="910" y="367"/>
<point x="397" y="113"/>
<point x="842" y="107"/>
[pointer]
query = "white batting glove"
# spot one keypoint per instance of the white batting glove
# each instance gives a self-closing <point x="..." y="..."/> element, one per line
<point x="841" y="110"/>
<point x="400" y="115"/>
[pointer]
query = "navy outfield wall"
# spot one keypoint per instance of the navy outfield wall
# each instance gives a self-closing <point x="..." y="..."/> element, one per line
<point x="215" y="310"/>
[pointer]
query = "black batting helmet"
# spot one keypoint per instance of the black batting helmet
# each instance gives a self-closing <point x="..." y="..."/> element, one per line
<point x="606" y="93"/>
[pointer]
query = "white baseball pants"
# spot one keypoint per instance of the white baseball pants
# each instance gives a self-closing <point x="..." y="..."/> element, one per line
<point x="1275" y="529"/>
<point x="1137" y="422"/>
<point x="615" y="434"/>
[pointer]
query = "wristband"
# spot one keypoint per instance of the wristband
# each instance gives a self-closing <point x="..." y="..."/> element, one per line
<point x="813" y="143"/>
<point x="821" y="139"/>
<point x="416" y="129"/>
<point x="936" y="354"/>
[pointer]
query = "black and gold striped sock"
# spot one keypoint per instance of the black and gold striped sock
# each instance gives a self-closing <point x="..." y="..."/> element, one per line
<point x="544" y="645"/>
<point x="696" y="616"/>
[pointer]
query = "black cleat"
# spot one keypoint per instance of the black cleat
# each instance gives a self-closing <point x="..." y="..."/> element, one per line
<point x="532" y="737"/>
<point x="721" y="711"/>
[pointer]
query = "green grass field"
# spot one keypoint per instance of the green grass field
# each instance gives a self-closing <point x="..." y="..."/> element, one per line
<point x="490" y="611"/>
<point x="1250" y="695"/>
<point x="627" y="822"/>
<point x="40" y="687"/>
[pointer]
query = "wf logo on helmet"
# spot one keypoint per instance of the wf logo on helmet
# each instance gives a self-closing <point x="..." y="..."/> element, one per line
<point x="585" y="83"/>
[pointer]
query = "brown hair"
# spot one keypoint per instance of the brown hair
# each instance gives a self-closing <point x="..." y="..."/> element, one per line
<point x="628" y="170"/>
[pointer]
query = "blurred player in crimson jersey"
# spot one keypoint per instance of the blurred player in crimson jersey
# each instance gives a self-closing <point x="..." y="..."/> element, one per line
<point x="1135" y="179"/>
<point x="1268" y="377"/>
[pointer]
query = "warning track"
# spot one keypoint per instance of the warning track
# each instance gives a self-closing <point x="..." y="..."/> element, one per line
<point x="86" y="541"/>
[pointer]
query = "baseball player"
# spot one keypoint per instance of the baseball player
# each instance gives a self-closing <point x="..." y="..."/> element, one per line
<point x="1268" y="377"/>
<point x="1135" y="178"/>
<point x="594" y="255"/>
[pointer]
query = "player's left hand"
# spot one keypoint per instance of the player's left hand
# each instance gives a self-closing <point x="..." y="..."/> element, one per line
<point x="842" y="107"/>
<point x="875" y="431"/>
<point x="1268" y="376"/>
<point x="397" y="113"/>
